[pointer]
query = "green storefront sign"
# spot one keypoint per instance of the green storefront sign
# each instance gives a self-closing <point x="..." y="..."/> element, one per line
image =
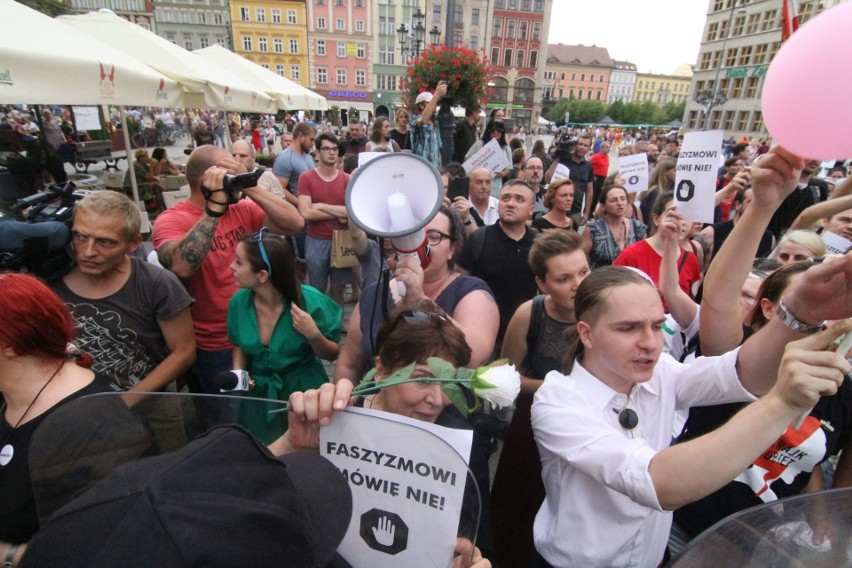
<point x="734" y="72"/>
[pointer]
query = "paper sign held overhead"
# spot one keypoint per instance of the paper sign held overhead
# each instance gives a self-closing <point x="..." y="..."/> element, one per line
<point x="697" y="168"/>
<point x="634" y="170"/>
<point x="491" y="157"/>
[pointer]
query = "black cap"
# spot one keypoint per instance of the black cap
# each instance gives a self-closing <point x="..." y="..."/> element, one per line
<point x="222" y="500"/>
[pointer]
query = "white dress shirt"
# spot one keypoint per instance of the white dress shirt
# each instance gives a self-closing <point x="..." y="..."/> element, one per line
<point x="491" y="215"/>
<point x="601" y="507"/>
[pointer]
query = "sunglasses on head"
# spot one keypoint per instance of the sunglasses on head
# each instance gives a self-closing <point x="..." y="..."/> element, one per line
<point x="258" y="238"/>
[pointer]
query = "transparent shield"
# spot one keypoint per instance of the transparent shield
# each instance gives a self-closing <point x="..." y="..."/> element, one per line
<point x="84" y="440"/>
<point x="812" y="530"/>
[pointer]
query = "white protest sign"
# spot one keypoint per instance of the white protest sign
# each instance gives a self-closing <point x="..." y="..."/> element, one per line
<point x="697" y="166"/>
<point x="365" y="157"/>
<point x="834" y="243"/>
<point x="407" y="478"/>
<point x="87" y="117"/>
<point x="634" y="171"/>
<point x="491" y="157"/>
<point x="561" y="172"/>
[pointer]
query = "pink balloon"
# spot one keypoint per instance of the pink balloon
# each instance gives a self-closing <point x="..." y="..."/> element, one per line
<point x="806" y="104"/>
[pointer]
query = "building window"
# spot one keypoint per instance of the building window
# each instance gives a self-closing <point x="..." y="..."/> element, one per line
<point x="187" y="43"/>
<point x="320" y="23"/>
<point x="712" y="30"/>
<point x="769" y="18"/>
<point x="295" y="72"/>
<point x="361" y="51"/>
<point x="728" y="121"/>
<point x="341" y="25"/>
<point x="742" y="122"/>
<point x="757" y="121"/>
<point x="580" y="94"/>
<point x="217" y="19"/>
<point x="519" y="58"/>
<point x="261" y="44"/>
<point x="246" y="43"/>
<point x="276" y="16"/>
<point x="599" y="94"/>
<point x="265" y="66"/>
<point x="731" y="57"/>
<point x="753" y="23"/>
<point x="507" y="58"/>
<point x="737" y="91"/>
<point x="321" y="47"/>
<point x="500" y="90"/>
<point x="524" y="89"/>
<point x="205" y="41"/>
<point x="536" y="31"/>
<point x="522" y="29"/>
<point x="582" y="76"/>
<point x="760" y="53"/>
<point x="436" y="14"/>
<point x="260" y="14"/>
<point x="359" y="25"/>
<point x="340" y="2"/>
<point x="751" y="87"/>
<point x="387" y="54"/>
<point x="717" y="57"/>
<point x="538" y="6"/>
<point x="322" y="75"/>
<point x="510" y="29"/>
<point x="723" y="29"/>
<point x="473" y="43"/>
<point x="360" y="78"/>
<point x="278" y="45"/>
<point x="739" y="24"/>
<point x="592" y="77"/>
<point x="220" y="41"/>
<point x="495" y="56"/>
<point x="341" y="76"/>
<point x="745" y="55"/>
<point x="474" y="17"/>
<point x="693" y="119"/>
<point x="291" y="17"/>
<point x="498" y="28"/>
<point x="294" y="46"/>
<point x="341" y="49"/>
<point x="202" y="18"/>
<point x="359" y="3"/>
<point x="533" y="59"/>
<point x="547" y="93"/>
<point x="244" y="14"/>
<point x="171" y="37"/>
<point x="279" y="69"/>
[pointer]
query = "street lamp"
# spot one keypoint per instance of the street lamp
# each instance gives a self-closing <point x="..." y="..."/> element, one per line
<point x="712" y="99"/>
<point x="413" y="41"/>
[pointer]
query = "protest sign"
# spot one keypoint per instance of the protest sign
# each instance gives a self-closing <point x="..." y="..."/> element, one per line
<point x="561" y="172"/>
<point x="365" y="157"/>
<point x="491" y="157"/>
<point x="634" y="172"/>
<point x="834" y="243"/>
<point x="697" y="167"/>
<point x="408" y="481"/>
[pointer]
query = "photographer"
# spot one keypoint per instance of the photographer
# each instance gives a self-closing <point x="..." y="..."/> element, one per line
<point x="571" y="153"/>
<point x="197" y="239"/>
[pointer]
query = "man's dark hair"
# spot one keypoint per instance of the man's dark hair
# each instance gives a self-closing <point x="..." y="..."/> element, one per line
<point x="738" y="148"/>
<point x="327" y="136"/>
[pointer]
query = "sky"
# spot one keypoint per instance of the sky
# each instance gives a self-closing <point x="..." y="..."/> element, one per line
<point x="656" y="35"/>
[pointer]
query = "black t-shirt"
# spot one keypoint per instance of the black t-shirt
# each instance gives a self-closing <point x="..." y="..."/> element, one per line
<point x="403" y="140"/>
<point x="502" y="263"/>
<point x="801" y="198"/>
<point x="18" y="515"/>
<point x="723" y="229"/>
<point x="581" y="173"/>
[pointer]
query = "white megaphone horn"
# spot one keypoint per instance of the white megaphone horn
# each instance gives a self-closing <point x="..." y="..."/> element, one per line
<point x="395" y="196"/>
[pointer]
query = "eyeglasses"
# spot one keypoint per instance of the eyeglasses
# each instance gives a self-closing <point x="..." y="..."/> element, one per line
<point x="328" y="148"/>
<point x="258" y="238"/>
<point x="535" y="168"/>
<point x="434" y="237"/>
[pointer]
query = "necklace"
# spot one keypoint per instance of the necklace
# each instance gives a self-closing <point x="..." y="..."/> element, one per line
<point x="8" y="451"/>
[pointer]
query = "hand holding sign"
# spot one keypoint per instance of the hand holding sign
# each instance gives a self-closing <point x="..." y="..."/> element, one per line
<point x="775" y="176"/>
<point x="695" y="186"/>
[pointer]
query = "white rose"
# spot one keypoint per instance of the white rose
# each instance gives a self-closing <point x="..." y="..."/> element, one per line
<point x="499" y="385"/>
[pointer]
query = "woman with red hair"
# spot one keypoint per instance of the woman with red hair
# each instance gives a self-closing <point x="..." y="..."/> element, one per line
<point x="36" y="377"/>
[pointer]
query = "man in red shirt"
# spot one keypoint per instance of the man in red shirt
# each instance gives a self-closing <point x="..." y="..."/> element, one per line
<point x="600" y="166"/>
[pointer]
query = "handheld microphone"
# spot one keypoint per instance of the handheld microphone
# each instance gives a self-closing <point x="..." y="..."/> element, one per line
<point x="231" y="381"/>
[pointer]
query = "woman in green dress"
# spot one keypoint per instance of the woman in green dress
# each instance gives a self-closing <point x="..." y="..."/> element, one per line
<point x="280" y="329"/>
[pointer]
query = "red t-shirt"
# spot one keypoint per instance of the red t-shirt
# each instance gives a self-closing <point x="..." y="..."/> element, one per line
<point x="328" y="192"/>
<point x="600" y="164"/>
<point x="641" y="255"/>
<point x="213" y="283"/>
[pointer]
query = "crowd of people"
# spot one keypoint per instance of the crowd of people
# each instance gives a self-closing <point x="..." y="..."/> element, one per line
<point x="664" y="362"/>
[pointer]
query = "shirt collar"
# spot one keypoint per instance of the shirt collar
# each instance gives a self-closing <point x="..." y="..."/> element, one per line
<point x="598" y="393"/>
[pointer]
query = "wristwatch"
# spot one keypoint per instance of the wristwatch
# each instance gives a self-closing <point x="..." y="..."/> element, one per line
<point x="789" y="319"/>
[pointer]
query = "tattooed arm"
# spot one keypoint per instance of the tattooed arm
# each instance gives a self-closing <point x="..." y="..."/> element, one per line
<point x="184" y="256"/>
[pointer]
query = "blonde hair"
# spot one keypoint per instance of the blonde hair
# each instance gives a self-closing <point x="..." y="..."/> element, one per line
<point x="808" y="239"/>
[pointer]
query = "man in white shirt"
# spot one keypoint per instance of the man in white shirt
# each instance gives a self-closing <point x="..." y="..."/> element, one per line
<point x="483" y="206"/>
<point x="603" y="431"/>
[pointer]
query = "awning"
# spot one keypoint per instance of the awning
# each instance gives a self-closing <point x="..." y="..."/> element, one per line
<point x="346" y="105"/>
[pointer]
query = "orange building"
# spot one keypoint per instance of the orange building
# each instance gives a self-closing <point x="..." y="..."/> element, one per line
<point x="578" y="70"/>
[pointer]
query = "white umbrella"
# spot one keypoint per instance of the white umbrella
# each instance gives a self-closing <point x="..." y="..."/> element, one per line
<point x="45" y="61"/>
<point x="205" y="85"/>
<point x="288" y="94"/>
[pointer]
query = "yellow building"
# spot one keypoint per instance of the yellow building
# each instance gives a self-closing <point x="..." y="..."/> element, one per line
<point x="662" y="89"/>
<point x="273" y="34"/>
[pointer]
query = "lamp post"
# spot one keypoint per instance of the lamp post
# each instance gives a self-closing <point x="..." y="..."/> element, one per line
<point x="712" y="99"/>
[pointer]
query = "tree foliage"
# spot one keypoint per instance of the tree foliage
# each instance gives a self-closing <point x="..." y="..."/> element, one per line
<point x="622" y="113"/>
<point x="52" y="8"/>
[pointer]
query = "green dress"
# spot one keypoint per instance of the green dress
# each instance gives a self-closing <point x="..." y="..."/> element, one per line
<point x="287" y="364"/>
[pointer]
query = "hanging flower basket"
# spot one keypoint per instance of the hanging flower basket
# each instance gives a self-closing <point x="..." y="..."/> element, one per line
<point x="466" y="73"/>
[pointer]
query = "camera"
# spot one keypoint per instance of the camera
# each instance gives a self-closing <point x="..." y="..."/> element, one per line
<point x="565" y="147"/>
<point x="235" y="184"/>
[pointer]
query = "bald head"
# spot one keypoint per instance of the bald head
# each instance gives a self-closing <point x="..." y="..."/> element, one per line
<point x="480" y="186"/>
<point x="243" y="152"/>
<point x="203" y="158"/>
<point x="534" y="170"/>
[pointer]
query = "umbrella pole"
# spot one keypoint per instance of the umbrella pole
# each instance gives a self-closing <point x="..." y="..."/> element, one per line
<point x="131" y="158"/>
<point x="227" y="132"/>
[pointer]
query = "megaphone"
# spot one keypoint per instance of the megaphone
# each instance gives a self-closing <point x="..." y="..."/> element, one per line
<point x="395" y="196"/>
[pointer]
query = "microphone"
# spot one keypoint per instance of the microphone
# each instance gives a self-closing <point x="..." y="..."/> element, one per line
<point x="230" y="381"/>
